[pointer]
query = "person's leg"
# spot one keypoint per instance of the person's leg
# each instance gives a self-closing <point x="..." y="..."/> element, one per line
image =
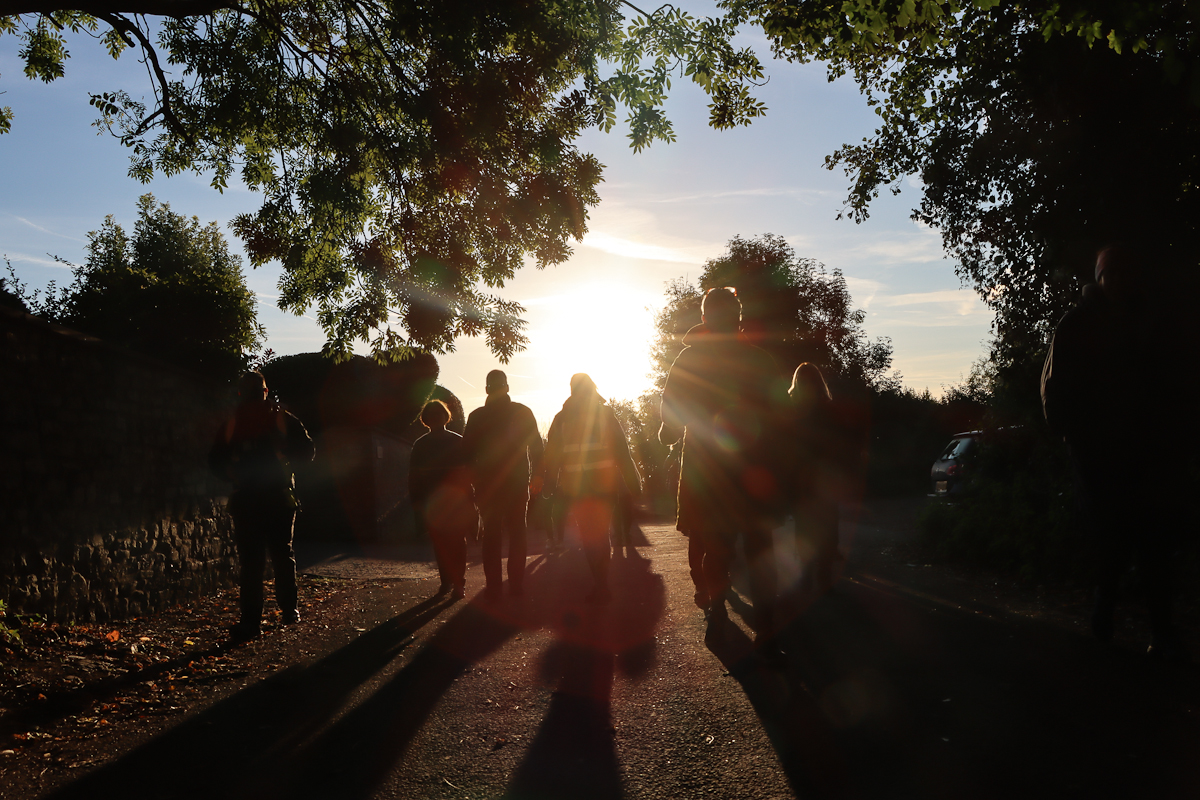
<point x="718" y="555"/>
<point x="252" y="558"/>
<point x="283" y="562"/>
<point x="516" y="525"/>
<point x="760" y="559"/>
<point x="492" y="539"/>
<point x="456" y="559"/>
<point x="594" y="516"/>
<point x="442" y="538"/>
<point x="696" y="568"/>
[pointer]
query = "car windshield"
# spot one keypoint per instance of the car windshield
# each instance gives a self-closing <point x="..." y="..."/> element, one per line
<point x="958" y="447"/>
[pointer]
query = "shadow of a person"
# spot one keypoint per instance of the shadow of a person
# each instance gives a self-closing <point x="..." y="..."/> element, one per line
<point x="794" y="723"/>
<point x="350" y="758"/>
<point x="224" y="746"/>
<point x="574" y="752"/>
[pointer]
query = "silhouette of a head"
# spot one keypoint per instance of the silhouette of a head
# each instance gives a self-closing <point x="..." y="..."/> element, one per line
<point x="582" y="385"/>
<point x="1118" y="272"/>
<point x="497" y="382"/>
<point x="435" y="414"/>
<point x="721" y="311"/>
<point x="252" y="386"/>
<point x="808" y="384"/>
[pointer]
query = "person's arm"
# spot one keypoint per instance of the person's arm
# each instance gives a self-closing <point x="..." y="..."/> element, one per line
<point x="470" y="444"/>
<point x="220" y="455"/>
<point x="299" y="444"/>
<point x="672" y="419"/>
<point x="534" y="445"/>
<point x="417" y="473"/>
<point x="552" y="456"/>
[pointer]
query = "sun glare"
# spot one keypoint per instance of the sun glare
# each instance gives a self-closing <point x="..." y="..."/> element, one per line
<point x="603" y="329"/>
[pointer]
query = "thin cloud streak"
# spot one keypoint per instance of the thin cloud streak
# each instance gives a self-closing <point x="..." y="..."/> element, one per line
<point x="37" y="227"/>
<point x="21" y="258"/>
<point x="765" y="192"/>
<point x="628" y="248"/>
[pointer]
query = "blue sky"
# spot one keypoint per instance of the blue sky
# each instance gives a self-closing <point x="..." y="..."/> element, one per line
<point x="663" y="212"/>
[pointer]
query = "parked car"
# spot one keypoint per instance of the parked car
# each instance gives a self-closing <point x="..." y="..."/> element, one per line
<point x="954" y="463"/>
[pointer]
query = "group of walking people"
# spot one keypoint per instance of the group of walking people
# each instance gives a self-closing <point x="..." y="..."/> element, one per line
<point x="751" y="454"/>
<point x="496" y="466"/>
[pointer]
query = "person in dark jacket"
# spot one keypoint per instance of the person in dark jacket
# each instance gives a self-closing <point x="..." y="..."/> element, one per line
<point x="1088" y="399"/>
<point x="439" y="484"/>
<point x="587" y="461"/>
<point x="814" y="476"/>
<point x="719" y="398"/>
<point x="505" y="449"/>
<point x="256" y="450"/>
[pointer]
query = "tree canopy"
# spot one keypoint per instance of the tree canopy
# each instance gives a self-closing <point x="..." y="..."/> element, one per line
<point x="1040" y="130"/>
<point x="412" y="155"/>
<point x="171" y="290"/>
<point x="792" y="307"/>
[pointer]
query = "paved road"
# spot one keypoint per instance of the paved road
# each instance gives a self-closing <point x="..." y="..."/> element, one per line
<point x="894" y="689"/>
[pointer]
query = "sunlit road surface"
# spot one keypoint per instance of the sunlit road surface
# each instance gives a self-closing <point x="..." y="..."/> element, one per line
<point x="892" y="689"/>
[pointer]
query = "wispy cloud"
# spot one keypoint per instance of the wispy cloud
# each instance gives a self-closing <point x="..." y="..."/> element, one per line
<point x="921" y="247"/>
<point x="944" y="308"/>
<point x="22" y="258"/>
<point x="37" y="227"/>
<point x="862" y="290"/>
<point x="633" y="249"/>
<point x="763" y="192"/>
<point x="961" y="297"/>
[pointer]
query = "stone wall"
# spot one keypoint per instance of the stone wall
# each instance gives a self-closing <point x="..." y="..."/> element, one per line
<point x="107" y="507"/>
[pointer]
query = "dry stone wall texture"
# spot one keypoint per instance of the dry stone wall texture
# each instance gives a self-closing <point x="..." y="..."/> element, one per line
<point x="107" y="507"/>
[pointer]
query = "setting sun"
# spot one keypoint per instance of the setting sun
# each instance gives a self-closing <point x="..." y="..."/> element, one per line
<point x="602" y="328"/>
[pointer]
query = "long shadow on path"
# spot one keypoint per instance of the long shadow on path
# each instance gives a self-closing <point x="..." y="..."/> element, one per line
<point x="223" y="747"/>
<point x="354" y="756"/>
<point x="574" y="753"/>
<point x="918" y="698"/>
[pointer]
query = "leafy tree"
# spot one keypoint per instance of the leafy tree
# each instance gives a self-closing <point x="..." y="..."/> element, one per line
<point x="13" y="298"/>
<point x="792" y="307"/>
<point x="172" y="290"/>
<point x="411" y="155"/>
<point x="1041" y="131"/>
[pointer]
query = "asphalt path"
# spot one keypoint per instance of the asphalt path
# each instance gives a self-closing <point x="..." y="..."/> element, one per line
<point x="894" y="687"/>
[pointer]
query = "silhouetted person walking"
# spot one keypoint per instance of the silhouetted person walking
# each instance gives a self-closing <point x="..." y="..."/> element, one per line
<point x="505" y="449"/>
<point x="587" y="460"/>
<point x="439" y="483"/>
<point x="256" y="450"/>
<point x="1109" y="422"/>
<point x="812" y="458"/>
<point x="718" y="398"/>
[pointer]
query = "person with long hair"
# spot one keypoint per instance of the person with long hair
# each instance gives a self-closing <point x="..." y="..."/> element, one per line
<point x="587" y="462"/>
<point x="813" y="475"/>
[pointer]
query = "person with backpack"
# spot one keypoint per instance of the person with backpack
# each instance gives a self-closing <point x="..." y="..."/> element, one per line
<point x="256" y="450"/>
<point x="587" y="461"/>
<point x="718" y="398"/>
